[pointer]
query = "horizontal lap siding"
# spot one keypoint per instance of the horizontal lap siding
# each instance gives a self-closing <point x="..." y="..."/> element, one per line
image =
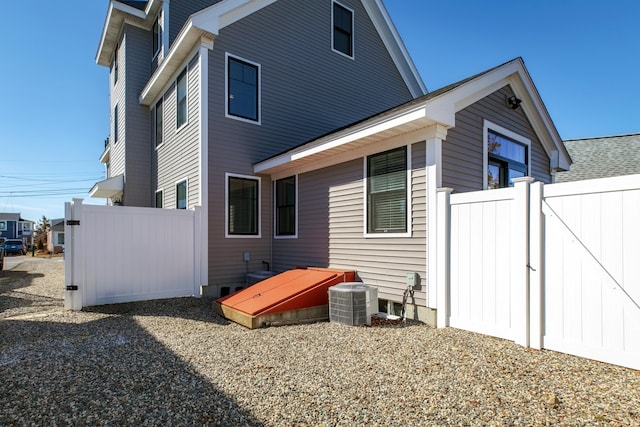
<point x="307" y="90"/>
<point x="178" y="157"/>
<point x="117" y="97"/>
<point x="332" y="216"/>
<point x="180" y="11"/>
<point x="462" y="154"/>
<point x="137" y="128"/>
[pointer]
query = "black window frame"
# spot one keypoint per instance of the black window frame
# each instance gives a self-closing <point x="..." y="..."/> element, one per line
<point x="342" y="29"/>
<point x="158" y="123"/>
<point x="248" y="207"/>
<point x="182" y="107"/>
<point x="115" y="124"/>
<point x="156" y="34"/>
<point x="384" y="199"/>
<point x="285" y="200"/>
<point x="186" y="194"/>
<point x="504" y="164"/>
<point x="160" y="199"/>
<point x="232" y="91"/>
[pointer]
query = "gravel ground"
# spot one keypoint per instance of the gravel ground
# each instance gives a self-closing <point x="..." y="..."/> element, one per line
<point x="174" y="362"/>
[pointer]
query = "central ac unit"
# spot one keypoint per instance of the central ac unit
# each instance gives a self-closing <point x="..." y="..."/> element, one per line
<point x="352" y="303"/>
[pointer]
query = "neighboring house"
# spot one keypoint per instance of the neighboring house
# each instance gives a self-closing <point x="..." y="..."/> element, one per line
<point x="55" y="236"/>
<point x="13" y="226"/>
<point x="306" y="134"/>
<point x="602" y="157"/>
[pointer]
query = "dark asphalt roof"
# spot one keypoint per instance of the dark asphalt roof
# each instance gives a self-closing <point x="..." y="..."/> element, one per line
<point x="602" y="157"/>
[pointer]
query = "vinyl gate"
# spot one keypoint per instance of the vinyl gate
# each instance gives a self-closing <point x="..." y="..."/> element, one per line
<point x="554" y="266"/>
<point x="119" y="254"/>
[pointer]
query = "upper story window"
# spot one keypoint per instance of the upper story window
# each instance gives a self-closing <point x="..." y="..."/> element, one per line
<point x="114" y="68"/>
<point x="158" y="125"/>
<point x="157" y="37"/>
<point x="243" y="89"/>
<point x="507" y="156"/>
<point x="181" y="195"/>
<point x="181" y="96"/>
<point x="115" y="124"/>
<point x="342" y="35"/>
<point x="387" y="192"/>
<point x="285" y="206"/>
<point x="159" y="199"/>
<point x="243" y="206"/>
<point x="3" y="225"/>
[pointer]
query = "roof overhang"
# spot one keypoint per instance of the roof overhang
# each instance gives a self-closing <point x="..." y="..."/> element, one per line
<point x="117" y="15"/>
<point x="416" y="120"/>
<point x="201" y="28"/>
<point x="109" y="188"/>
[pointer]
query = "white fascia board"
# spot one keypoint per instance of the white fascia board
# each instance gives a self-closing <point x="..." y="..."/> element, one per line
<point x="395" y="46"/>
<point x="202" y="27"/>
<point x="343" y="138"/>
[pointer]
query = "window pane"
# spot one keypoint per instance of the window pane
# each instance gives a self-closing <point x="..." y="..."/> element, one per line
<point x="493" y="177"/>
<point x="342" y="29"/>
<point x="181" y="194"/>
<point x="156" y="37"/>
<point x="286" y="206"/>
<point x="504" y="147"/>
<point x="115" y="124"/>
<point x="515" y="174"/>
<point x="243" y="206"/>
<point x="387" y="191"/>
<point x="158" y="119"/>
<point x="182" y="98"/>
<point x="159" y="199"/>
<point x="243" y="89"/>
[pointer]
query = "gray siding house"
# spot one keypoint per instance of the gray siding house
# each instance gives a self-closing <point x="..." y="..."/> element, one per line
<point x="306" y="135"/>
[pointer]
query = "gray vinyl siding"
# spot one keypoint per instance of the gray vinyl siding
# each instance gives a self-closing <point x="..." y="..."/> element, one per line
<point x="178" y="156"/>
<point x="462" y="152"/>
<point x="180" y="11"/>
<point x="117" y="97"/>
<point x="332" y="223"/>
<point x="294" y="107"/>
<point x="137" y="130"/>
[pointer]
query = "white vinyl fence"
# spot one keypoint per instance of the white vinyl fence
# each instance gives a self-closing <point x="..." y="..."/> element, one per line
<point x="548" y="266"/>
<point x="119" y="254"/>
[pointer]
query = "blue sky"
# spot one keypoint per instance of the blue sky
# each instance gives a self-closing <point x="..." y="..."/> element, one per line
<point x="583" y="56"/>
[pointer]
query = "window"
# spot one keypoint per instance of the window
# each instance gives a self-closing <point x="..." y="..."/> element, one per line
<point x="159" y="201"/>
<point x="115" y="124"/>
<point x="342" y="30"/>
<point x="157" y="37"/>
<point x="242" y="214"/>
<point x="285" y="201"/>
<point x="181" y="95"/>
<point x="243" y="89"/>
<point x="3" y="225"/>
<point x="115" y="65"/>
<point x="61" y="238"/>
<point x="507" y="156"/>
<point x="158" y="123"/>
<point x="387" y="199"/>
<point x="181" y="195"/>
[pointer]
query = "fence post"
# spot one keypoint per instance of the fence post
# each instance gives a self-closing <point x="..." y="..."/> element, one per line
<point x="536" y="266"/>
<point x="520" y="262"/>
<point x="73" y="294"/>
<point x="197" y="247"/>
<point x="443" y="236"/>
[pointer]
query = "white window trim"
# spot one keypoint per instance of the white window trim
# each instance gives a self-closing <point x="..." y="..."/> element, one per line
<point x="509" y="134"/>
<point x="157" y="147"/>
<point x="161" y="190"/>
<point x="275" y="219"/>
<point x="228" y="175"/>
<point x="175" y="187"/>
<point x="186" y="76"/>
<point x="258" y="122"/>
<point x="353" y="31"/>
<point x="409" y="199"/>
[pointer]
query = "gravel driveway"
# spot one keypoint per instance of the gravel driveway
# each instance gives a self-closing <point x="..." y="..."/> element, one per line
<point x="174" y="362"/>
